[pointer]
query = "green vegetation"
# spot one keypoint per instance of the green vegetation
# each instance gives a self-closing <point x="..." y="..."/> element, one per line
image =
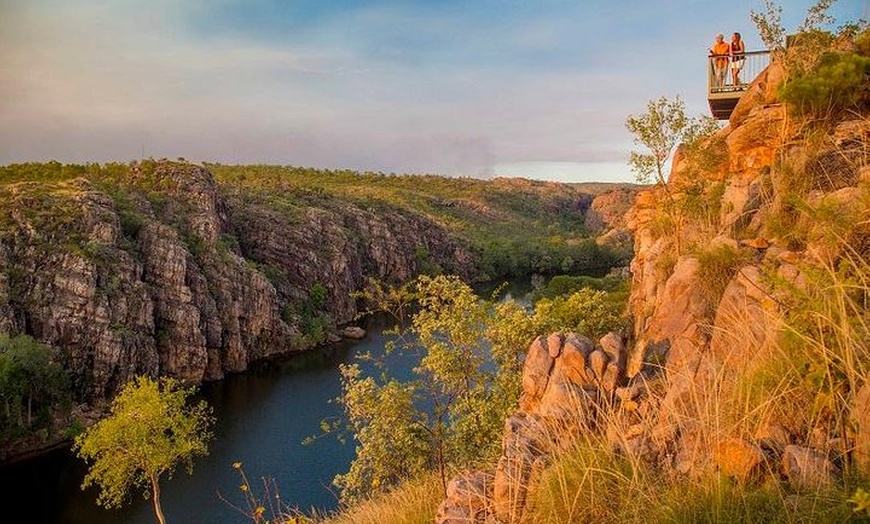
<point x="717" y="265"/>
<point x="415" y="501"/>
<point x="32" y="384"/>
<point x="513" y="226"/>
<point x="659" y="130"/>
<point x="836" y="85"/>
<point x="152" y="428"/>
<point x="450" y="414"/>
<point x="825" y="73"/>
<point x="516" y="227"/>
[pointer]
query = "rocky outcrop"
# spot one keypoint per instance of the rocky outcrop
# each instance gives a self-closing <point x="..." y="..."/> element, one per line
<point x="609" y="208"/>
<point x="749" y="351"/>
<point x="713" y="300"/>
<point x="606" y="217"/>
<point x="710" y="300"/>
<point x="567" y="381"/>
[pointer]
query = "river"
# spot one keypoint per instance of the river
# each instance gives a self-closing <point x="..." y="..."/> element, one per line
<point x="263" y="417"/>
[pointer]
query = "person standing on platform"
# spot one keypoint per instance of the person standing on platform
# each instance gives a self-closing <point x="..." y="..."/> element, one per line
<point x="738" y="57"/>
<point x="719" y="52"/>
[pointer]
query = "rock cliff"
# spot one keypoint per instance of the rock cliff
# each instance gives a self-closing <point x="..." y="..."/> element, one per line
<point x="785" y="214"/>
<point x="176" y="278"/>
<point x="749" y="352"/>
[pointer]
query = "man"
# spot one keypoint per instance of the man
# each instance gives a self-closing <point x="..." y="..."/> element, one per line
<point x="719" y="52"/>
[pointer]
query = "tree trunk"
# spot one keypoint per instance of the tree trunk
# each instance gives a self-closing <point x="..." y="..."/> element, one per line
<point x="155" y="490"/>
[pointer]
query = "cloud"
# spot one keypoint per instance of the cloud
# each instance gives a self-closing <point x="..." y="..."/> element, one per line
<point x="453" y="87"/>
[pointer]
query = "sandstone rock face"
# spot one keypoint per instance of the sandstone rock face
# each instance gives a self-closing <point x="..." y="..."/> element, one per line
<point x="761" y="92"/>
<point x="608" y="210"/>
<point x="353" y="332"/>
<point x="185" y="279"/>
<point x="469" y="497"/>
<point x="738" y="458"/>
<point x="566" y="377"/>
<point x="709" y="346"/>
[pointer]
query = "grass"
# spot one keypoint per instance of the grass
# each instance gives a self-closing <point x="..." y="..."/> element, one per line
<point x="589" y="484"/>
<point x="414" y="502"/>
<point x="717" y="265"/>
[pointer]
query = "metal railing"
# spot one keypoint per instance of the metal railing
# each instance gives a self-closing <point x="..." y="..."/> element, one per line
<point x="720" y="72"/>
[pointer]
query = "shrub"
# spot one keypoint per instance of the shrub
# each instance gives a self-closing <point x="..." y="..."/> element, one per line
<point x="31" y="384"/>
<point x="587" y="312"/>
<point x="717" y="266"/>
<point x="838" y="84"/>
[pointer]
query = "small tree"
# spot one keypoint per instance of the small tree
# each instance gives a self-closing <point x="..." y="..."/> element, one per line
<point x="451" y="414"/>
<point x="152" y="428"/>
<point x="660" y="130"/>
<point x="809" y="41"/>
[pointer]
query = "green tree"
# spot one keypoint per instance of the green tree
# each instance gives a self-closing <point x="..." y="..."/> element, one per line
<point x="585" y="311"/>
<point x="773" y="33"/>
<point x="833" y="87"/>
<point x="389" y="431"/>
<point x="659" y="130"/>
<point x="452" y="412"/>
<point x="800" y="52"/>
<point x="31" y="383"/>
<point x="152" y="428"/>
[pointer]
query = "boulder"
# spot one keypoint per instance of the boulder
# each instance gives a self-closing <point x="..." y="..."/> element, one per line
<point x="807" y="468"/>
<point x="353" y="332"/>
<point x="468" y="499"/>
<point x="738" y="458"/>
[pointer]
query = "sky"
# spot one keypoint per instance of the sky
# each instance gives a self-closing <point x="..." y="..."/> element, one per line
<point x="480" y="88"/>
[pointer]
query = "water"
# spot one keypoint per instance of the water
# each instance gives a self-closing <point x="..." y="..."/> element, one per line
<point x="263" y="417"/>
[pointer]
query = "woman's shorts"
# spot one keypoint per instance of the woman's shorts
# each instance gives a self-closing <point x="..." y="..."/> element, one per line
<point x="737" y="65"/>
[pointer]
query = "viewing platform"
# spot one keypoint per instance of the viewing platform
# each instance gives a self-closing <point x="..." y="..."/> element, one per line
<point x="725" y="95"/>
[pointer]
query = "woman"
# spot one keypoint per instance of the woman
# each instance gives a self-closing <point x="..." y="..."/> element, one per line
<point x="738" y="57"/>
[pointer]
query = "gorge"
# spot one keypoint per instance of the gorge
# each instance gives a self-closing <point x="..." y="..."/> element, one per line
<point x="196" y="272"/>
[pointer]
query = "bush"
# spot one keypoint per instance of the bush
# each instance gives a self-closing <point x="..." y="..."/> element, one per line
<point x="587" y="312"/>
<point x="31" y="385"/>
<point x="717" y="266"/>
<point x="838" y="84"/>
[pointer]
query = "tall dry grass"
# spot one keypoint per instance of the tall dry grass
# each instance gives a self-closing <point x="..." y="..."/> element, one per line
<point x="413" y="502"/>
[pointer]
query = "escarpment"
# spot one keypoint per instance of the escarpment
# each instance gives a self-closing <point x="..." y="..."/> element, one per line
<point x="749" y="354"/>
<point x="165" y="268"/>
<point x="783" y="221"/>
<point x="168" y="274"/>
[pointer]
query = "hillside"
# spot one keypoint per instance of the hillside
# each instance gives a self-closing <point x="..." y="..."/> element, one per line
<point x="175" y="269"/>
<point x="742" y="394"/>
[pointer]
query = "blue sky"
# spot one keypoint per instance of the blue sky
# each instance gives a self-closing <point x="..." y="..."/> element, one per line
<point x="474" y="87"/>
